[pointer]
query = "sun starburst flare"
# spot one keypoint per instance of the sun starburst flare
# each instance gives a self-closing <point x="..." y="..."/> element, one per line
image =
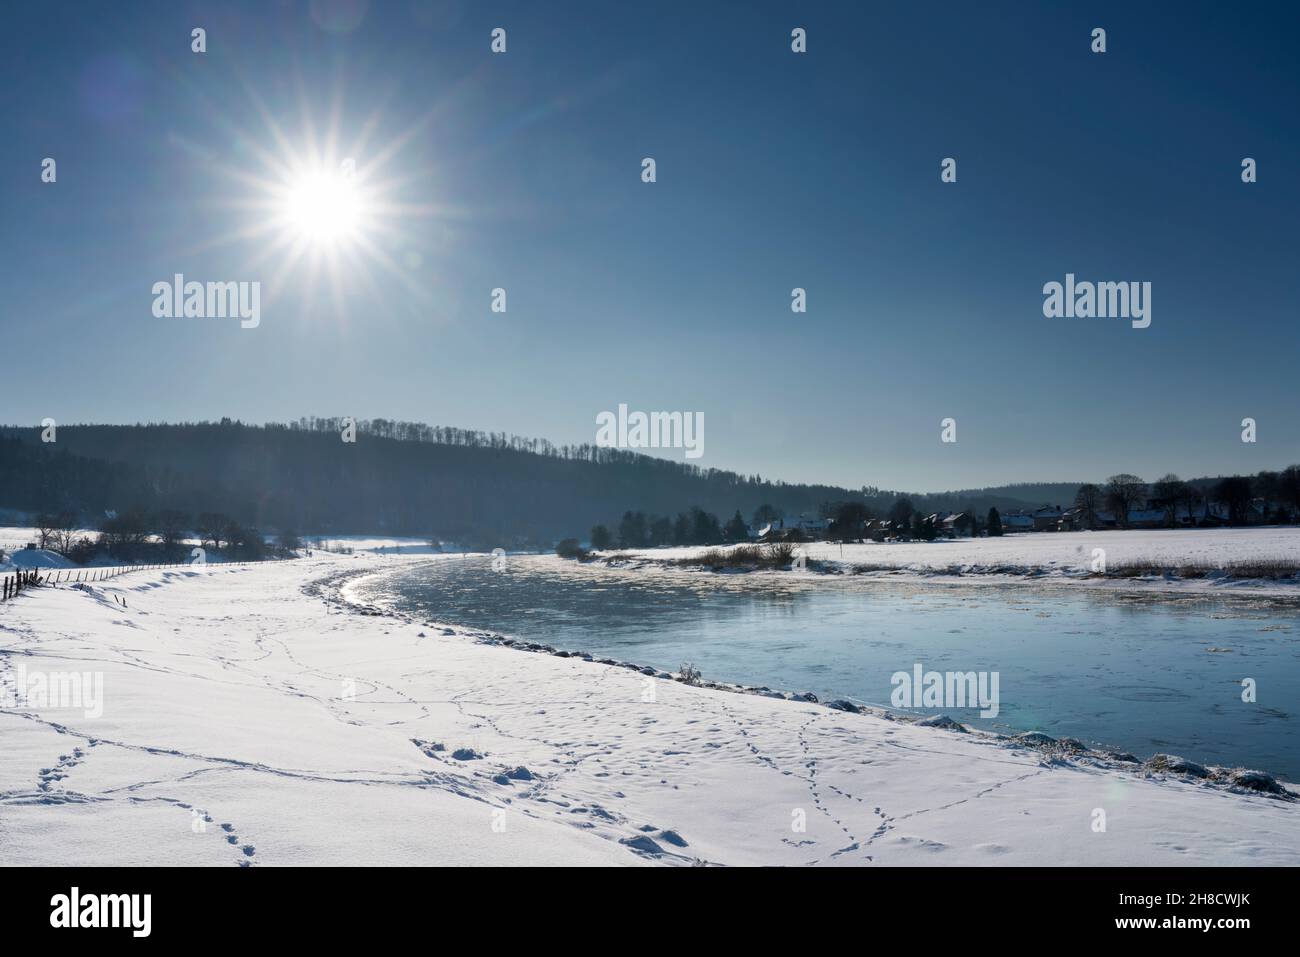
<point x="330" y="216"/>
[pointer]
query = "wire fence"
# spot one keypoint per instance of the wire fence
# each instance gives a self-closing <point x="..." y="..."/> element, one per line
<point x="35" y="577"/>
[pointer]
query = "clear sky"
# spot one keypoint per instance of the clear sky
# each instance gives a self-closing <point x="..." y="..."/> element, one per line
<point x="821" y="170"/>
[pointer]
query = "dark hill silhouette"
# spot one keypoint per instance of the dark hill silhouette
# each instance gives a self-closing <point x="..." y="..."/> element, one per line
<point x="405" y="478"/>
<point x="397" y="478"/>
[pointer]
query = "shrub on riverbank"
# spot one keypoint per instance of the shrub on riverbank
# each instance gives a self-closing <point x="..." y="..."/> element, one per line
<point x="1272" y="568"/>
<point x="774" y="555"/>
<point x="570" y="548"/>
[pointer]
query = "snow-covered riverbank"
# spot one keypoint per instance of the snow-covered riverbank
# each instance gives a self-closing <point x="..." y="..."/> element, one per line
<point x="1094" y="560"/>
<point x="246" y="722"/>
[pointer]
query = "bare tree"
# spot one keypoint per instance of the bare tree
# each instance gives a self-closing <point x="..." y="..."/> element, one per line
<point x="171" y="526"/>
<point x="125" y="534"/>
<point x="1189" y="497"/>
<point x="211" y="528"/>
<point x="1235" y="493"/>
<point x="1089" y="500"/>
<point x="1268" y="486"/>
<point x="46" y="526"/>
<point x="1123" y="493"/>
<point x="1169" y="490"/>
<point x="65" y="532"/>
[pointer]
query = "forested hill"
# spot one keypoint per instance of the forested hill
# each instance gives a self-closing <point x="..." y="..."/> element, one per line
<point x="396" y="478"/>
<point x="1034" y="493"/>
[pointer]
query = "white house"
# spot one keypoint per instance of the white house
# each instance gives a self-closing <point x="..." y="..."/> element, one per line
<point x="806" y="524"/>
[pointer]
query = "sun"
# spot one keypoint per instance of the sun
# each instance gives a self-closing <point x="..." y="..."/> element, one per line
<point x="323" y="206"/>
<point x="331" y="208"/>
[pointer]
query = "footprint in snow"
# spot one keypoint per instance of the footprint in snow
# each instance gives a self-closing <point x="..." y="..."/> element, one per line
<point x="641" y="843"/>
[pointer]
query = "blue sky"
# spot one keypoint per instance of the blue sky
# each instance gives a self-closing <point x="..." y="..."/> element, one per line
<point x="775" y="170"/>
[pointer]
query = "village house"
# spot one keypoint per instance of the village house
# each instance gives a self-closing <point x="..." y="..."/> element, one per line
<point x="1158" y="515"/>
<point x="804" y="528"/>
<point x="878" y="529"/>
<point x="1048" y="518"/>
<point x="1017" y="521"/>
<point x="1073" y="520"/>
<point x="1147" y="518"/>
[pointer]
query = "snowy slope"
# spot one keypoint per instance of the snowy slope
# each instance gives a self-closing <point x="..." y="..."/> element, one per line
<point x="38" y="558"/>
<point x="310" y="735"/>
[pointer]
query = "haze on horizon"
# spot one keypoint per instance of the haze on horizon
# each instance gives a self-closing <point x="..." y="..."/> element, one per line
<point x="774" y="170"/>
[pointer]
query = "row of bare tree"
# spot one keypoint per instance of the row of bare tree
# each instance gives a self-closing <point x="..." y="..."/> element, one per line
<point x="1277" y="493"/>
<point x="134" y="533"/>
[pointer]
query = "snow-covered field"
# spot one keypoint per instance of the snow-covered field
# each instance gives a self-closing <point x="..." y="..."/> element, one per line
<point x="1059" y="556"/>
<point x="245" y="722"/>
<point x="14" y="538"/>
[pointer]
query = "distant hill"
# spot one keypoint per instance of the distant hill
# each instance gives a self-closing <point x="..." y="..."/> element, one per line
<point x="397" y="478"/>
<point x="403" y="478"/>
<point x="1020" y="494"/>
